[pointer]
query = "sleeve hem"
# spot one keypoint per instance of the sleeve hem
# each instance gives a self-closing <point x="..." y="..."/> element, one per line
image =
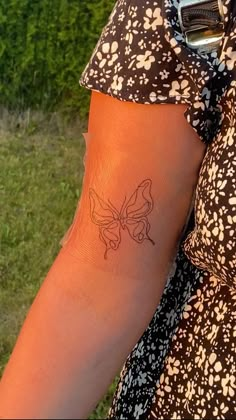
<point x="145" y="99"/>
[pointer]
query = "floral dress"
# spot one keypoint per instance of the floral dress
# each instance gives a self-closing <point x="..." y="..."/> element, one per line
<point x="184" y="365"/>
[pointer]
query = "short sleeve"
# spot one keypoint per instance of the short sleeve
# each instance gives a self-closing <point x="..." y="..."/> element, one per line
<point x="132" y="61"/>
<point x="141" y="56"/>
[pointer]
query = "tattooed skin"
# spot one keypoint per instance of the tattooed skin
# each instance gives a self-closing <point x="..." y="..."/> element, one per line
<point x="132" y="216"/>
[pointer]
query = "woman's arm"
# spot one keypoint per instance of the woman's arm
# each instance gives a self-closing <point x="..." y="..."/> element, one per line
<point x="90" y="310"/>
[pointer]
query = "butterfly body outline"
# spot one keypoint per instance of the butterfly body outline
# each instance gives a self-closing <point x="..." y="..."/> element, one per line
<point x="132" y="216"/>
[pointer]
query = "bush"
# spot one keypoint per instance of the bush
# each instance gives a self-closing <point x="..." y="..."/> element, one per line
<point x="44" y="46"/>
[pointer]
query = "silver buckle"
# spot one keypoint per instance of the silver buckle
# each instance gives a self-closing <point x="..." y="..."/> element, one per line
<point x="202" y="22"/>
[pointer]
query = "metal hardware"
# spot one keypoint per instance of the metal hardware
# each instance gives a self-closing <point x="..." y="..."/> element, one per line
<point x="202" y="22"/>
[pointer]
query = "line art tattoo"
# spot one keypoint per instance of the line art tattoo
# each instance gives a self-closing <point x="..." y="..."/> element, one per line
<point x="132" y="216"/>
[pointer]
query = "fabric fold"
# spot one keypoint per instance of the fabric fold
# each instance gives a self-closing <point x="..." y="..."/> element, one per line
<point x="210" y="77"/>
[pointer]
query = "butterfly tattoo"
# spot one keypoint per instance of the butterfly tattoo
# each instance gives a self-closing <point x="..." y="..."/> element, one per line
<point x="132" y="216"/>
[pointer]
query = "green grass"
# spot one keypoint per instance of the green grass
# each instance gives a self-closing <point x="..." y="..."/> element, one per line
<point x="40" y="183"/>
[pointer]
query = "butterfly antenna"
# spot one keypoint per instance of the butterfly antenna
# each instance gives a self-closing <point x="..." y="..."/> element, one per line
<point x="116" y="211"/>
<point x="122" y="208"/>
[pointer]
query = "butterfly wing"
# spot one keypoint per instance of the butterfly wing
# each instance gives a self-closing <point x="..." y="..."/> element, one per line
<point x="138" y="229"/>
<point x="111" y="237"/>
<point x="107" y="218"/>
<point x="102" y="214"/>
<point x="136" y="210"/>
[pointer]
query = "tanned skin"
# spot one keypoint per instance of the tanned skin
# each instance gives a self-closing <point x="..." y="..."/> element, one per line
<point x="141" y="169"/>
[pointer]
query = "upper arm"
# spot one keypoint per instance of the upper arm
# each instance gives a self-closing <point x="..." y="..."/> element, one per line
<point x="150" y="132"/>
<point x="147" y="154"/>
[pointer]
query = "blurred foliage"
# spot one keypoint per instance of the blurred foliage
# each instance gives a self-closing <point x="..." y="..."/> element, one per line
<point x="44" y="46"/>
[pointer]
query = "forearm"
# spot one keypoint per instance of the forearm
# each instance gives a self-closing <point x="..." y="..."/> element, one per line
<point x="69" y="350"/>
<point x="78" y="334"/>
<point x="75" y="339"/>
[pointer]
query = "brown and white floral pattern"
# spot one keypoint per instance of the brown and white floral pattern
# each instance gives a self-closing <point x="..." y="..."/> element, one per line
<point x="199" y="376"/>
<point x="184" y="365"/>
<point x="212" y="244"/>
